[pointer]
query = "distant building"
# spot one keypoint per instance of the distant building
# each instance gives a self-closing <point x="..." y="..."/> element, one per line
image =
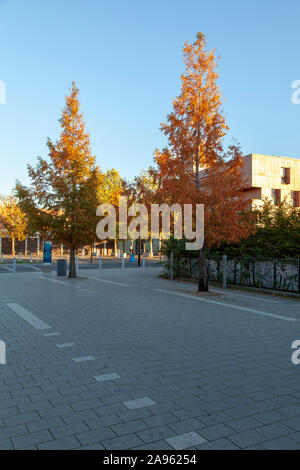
<point x="275" y="178"/>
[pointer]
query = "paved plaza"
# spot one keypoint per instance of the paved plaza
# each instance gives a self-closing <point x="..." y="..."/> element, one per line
<point x="121" y="359"/>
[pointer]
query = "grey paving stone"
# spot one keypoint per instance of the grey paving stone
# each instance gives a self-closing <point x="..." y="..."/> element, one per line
<point x="67" y="443"/>
<point x="155" y="434"/>
<point x="97" y="435"/>
<point x="293" y="423"/>
<point x="94" y="446"/>
<point x="5" y="444"/>
<point x="165" y="418"/>
<point x="274" y="430"/>
<point x="21" y="419"/>
<point x="247" y="438"/>
<point x="181" y="427"/>
<point x="243" y="424"/>
<point x="69" y="430"/>
<point x="218" y="444"/>
<point x="31" y="439"/>
<point x="12" y="431"/>
<point x="44" y="424"/>
<point x="130" y="441"/>
<point x="282" y="443"/>
<point x="212" y="433"/>
<point x="139" y="403"/>
<point x="157" y="445"/>
<point x="268" y="417"/>
<point x="129" y="427"/>
<point x="184" y="441"/>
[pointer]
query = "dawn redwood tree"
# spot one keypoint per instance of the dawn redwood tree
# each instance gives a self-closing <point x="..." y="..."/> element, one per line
<point x="195" y="130"/>
<point x="62" y="199"/>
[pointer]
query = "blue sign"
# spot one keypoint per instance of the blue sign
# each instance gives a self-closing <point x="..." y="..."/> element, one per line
<point x="47" y="256"/>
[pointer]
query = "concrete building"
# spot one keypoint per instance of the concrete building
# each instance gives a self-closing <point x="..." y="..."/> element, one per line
<point x="276" y="178"/>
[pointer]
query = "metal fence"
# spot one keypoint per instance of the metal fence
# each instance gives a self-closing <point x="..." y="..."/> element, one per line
<point x="274" y="274"/>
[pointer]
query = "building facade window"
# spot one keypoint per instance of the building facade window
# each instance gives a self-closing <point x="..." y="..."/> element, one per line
<point x="295" y="197"/>
<point x="276" y="196"/>
<point x="285" y="175"/>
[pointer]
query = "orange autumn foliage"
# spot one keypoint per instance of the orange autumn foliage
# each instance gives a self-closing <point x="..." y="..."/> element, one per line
<point x="194" y="168"/>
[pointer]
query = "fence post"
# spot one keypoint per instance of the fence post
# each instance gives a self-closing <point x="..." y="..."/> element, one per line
<point x="224" y="272"/>
<point x="235" y="270"/>
<point x="171" y="265"/>
<point x="274" y="273"/>
<point x="15" y="265"/>
<point x="122" y="260"/>
<point x="100" y="263"/>
<point x="76" y="264"/>
<point x="253" y="267"/>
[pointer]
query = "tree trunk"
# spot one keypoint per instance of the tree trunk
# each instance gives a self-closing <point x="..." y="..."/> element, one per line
<point x="203" y="277"/>
<point x="72" y="268"/>
<point x="13" y="246"/>
<point x="151" y="248"/>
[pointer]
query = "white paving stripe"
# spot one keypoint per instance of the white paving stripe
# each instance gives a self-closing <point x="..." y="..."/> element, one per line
<point x="65" y="345"/>
<point x="53" y="280"/>
<point x="184" y="441"/>
<point x="7" y="268"/>
<point x="34" y="321"/>
<point x="109" y="282"/>
<point x="139" y="403"/>
<point x="105" y="377"/>
<point x="83" y="359"/>
<point x="225" y="304"/>
<point x="55" y="333"/>
<point x="228" y="292"/>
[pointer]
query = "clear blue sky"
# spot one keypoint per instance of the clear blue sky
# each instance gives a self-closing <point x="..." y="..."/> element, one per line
<point x="126" y="58"/>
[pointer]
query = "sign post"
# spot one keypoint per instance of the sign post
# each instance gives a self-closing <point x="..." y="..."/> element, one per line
<point x="47" y="254"/>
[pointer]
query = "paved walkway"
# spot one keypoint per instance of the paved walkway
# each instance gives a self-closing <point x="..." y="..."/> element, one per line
<point x="125" y="360"/>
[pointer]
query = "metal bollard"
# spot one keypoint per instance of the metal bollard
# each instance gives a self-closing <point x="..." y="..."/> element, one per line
<point x="30" y="257"/>
<point x="123" y="261"/>
<point x="15" y="265"/>
<point x="76" y="264"/>
<point x="143" y="261"/>
<point x="1" y="257"/>
<point x="100" y="263"/>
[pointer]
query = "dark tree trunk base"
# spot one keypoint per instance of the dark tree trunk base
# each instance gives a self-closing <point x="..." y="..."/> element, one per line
<point x="203" y="276"/>
<point x="72" y="268"/>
